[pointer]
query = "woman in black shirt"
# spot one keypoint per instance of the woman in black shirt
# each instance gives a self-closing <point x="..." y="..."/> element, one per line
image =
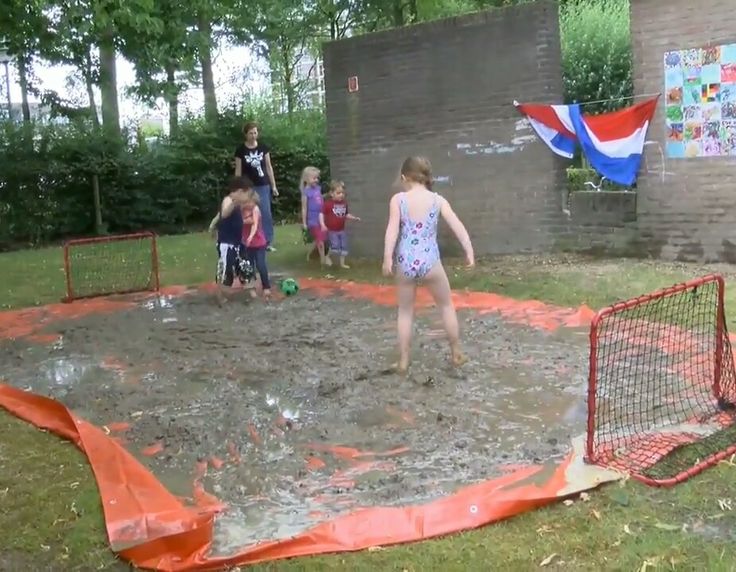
<point x="253" y="160"/>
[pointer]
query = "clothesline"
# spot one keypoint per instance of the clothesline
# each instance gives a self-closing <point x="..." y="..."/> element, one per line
<point x="625" y="98"/>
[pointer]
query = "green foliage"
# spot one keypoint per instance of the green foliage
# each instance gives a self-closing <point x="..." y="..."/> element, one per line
<point x="577" y="177"/>
<point x="168" y="186"/>
<point x="596" y="52"/>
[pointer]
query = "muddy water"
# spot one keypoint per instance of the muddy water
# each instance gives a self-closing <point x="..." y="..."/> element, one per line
<point x="288" y="413"/>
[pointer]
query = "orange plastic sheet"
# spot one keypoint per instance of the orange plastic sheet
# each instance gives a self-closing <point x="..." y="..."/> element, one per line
<point x="152" y="529"/>
<point x="528" y="312"/>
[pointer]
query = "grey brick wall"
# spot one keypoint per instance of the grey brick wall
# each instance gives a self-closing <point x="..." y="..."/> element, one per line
<point x="445" y="90"/>
<point x="686" y="208"/>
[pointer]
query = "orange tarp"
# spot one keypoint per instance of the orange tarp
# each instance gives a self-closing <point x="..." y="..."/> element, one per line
<point x="151" y="528"/>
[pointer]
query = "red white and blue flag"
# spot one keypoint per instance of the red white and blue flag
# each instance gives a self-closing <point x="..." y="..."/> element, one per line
<point x="612" y="142"/>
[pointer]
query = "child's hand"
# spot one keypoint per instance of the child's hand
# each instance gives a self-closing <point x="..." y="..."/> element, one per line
<point x="356" y="218"/>
<point x="324" y="228"/>
<point x="388" y="267"/>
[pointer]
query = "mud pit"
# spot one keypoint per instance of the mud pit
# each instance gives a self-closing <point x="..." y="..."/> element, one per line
<point x="287" y="413"/>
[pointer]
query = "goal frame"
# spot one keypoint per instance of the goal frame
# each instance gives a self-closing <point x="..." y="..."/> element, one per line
<point x="69" y="244"/>
<point x="590" y="453"/>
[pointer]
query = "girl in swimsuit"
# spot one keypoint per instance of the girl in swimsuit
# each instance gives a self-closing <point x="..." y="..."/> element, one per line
<point x="411" y="244"/>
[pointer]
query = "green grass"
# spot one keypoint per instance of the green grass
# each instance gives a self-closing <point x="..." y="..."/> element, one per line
<point x="51" y="517"/>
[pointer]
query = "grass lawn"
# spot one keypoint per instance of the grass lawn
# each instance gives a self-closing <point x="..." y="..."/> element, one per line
<point x="51" y="517"/>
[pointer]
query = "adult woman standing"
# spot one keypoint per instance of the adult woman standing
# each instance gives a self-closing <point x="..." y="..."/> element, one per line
<point x="253" y="160"/>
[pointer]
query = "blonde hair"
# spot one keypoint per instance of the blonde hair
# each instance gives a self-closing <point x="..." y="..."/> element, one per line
<point x="336" y="186"/>
<point x="306" y="173"/>
<point x="418" y="170"/>
<point x="251" y="197"/>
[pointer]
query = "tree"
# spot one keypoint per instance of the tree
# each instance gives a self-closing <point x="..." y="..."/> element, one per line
<point x="339" y="16"/>
<point x="24" y="28"/>
<point x="83" y="27"/>
<point x="165" y="59"/>
<point x="285" y="33"/>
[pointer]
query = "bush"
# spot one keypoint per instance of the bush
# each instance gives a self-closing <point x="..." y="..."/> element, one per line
<point x="167" y="186"/>
<point x="577" y="177"/>
<point x="596" y="53"/>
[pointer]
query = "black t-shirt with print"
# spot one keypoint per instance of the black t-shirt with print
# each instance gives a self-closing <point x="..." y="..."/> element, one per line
<point x="253" y="163"/>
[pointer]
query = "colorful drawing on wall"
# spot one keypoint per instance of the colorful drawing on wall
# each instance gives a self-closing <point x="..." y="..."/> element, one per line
<point x="700" y="98"/>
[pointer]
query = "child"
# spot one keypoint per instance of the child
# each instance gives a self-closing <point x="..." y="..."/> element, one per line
<point x="254" y="239"/>
<point x="312" y="203"/>
<point x="229" y="224"/>
<point x="332" y="219"/>
<point x="413" y="217"/>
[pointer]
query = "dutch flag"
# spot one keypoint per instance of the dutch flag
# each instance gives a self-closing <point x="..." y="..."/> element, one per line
<point x="612" y="142"/>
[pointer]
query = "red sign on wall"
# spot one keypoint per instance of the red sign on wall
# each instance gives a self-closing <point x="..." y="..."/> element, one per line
<point x="353" y="84"/>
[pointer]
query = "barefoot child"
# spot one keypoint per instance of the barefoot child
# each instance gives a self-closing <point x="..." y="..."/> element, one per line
<point x="229" y="224"/>
<point x="332" y="219"/>
<point x="312" y="203"/>
<point x="413" y="217"/>
<point x="254" y="240"/>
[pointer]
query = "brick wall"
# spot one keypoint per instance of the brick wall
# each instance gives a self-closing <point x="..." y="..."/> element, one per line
<point x="686" y="207"/>
<point x="445" y="90"/>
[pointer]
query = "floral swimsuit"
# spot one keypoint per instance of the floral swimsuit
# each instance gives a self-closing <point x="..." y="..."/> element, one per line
<point x="417" y="251"/>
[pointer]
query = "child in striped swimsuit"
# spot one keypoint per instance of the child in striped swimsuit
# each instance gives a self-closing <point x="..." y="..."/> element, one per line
<point x="411" y="244"/>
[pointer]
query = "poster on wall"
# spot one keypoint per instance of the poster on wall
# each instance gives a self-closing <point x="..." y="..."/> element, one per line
<point x="700" y="100"/>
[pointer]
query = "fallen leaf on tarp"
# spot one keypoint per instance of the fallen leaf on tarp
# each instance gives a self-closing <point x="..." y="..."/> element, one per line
<point x="568" y="502"/>
<point x="670" y="527"/>
<point x="585" y="497"/>
<point x="547" y="561"/>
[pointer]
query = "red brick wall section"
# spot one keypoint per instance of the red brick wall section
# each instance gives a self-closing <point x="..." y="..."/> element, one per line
<point x="686" y="207"/>
<point x="445" y="90"/>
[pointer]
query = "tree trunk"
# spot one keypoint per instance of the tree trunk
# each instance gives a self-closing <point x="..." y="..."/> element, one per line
<point x="205" y="60"/>
<point x="97" y="204"/>
<point x="287" y="78"/>
<point x="90" y="90"/>
<point x="172" y="98"/>
<point x="109" y="86"/>
<point x="23" y="80"/>
<point x="413" y="12"/>
<point x="398" y="13"/>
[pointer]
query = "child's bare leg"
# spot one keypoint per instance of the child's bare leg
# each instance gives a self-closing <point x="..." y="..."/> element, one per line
<point x="439" y="286"/>
<point x="324" y="258"/>
<point x="406" y="294"/>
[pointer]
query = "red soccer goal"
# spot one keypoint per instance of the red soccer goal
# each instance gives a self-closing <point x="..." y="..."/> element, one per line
<point x="110" y="265"/>
<point x="662" y="384"/>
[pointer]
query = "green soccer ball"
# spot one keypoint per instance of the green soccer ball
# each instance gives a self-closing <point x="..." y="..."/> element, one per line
<point x="289" y="286"/>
